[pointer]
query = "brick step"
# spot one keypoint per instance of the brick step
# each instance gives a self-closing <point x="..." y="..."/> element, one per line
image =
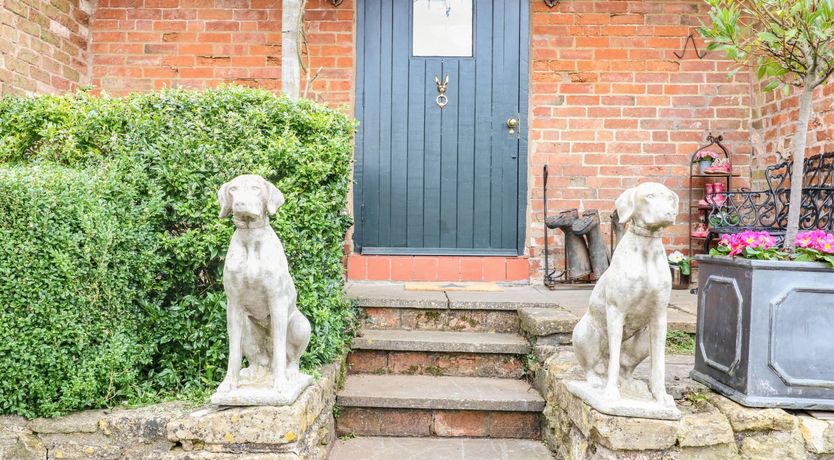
<point x="439" y="393"/>
<point x="464" y="354"/>
<point x="441" y="319"/>
<point x="435" y="363"/>
<point x="375" y="448"/>
<point x="364" y="421"/>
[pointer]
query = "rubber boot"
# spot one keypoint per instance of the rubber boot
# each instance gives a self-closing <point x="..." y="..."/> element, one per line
<point x="588" y="226"/>
<point x="617" y="229"/>
<point x="706" y="201"/>
<point x="579" y="260"/>
<point x="718" y="196"/>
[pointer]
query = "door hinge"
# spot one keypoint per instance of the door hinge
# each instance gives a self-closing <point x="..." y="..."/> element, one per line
<point x="362" y="214"/>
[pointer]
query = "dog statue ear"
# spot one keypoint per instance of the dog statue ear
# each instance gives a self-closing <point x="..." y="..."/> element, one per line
<point x="625" y="205"/>
<point x="225" y="202"/>
<point x="275" y="199"/>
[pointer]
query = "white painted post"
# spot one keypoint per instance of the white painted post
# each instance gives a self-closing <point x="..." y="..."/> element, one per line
<point x="290" y="36"/>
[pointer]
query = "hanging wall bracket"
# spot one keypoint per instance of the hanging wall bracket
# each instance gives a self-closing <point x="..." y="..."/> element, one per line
<point x="551" y="3"/>
<point x="690" y="38"/>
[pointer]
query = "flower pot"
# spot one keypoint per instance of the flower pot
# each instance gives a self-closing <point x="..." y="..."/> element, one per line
<point x="679" y="280"/>
<point x="764" y="332"/>
<point x="704" y="164"/>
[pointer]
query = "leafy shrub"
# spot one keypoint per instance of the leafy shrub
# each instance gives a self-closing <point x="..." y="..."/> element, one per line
<point x="78" y="263"/>
<point x="182" y="146"/>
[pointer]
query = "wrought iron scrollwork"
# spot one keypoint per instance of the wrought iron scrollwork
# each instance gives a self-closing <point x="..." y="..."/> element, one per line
<point x="768" y="209"/>
<point x="336" y="3"/>
<point x="551" y="3"/>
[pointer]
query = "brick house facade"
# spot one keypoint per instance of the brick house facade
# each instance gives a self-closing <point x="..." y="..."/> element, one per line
<point x="609" y="102"/>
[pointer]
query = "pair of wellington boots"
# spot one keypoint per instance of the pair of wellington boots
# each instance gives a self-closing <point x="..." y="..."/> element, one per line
<point x="585" y="247"/>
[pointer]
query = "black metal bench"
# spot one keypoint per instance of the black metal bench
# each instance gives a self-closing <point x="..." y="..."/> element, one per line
<point x="767" y="210"/>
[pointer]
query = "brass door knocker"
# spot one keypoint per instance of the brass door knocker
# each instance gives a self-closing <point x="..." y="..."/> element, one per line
<point x="441" y="98"/>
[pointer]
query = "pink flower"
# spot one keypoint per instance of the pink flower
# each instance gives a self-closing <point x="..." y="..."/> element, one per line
<point x="737" y="243"/>
<point x="817" y="240"/>
<point x="706" y="155"/>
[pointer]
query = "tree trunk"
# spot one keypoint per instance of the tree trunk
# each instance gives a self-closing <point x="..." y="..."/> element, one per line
<point x="290" y="34"/>
<point x="798" y="145"/>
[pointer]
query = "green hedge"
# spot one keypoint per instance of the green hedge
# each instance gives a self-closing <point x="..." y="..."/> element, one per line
<point x="176" y="148"/>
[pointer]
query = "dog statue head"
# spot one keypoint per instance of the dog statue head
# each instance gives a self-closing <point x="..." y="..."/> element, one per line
<point x="649" y="205"/>
<point x="250" y="199"/>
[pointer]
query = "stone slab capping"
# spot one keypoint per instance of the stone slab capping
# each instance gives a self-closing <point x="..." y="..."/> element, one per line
<point x="175" y="431"/>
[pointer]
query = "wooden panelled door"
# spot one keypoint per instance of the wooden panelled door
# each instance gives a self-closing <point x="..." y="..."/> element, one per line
<point x="441" y="151"/>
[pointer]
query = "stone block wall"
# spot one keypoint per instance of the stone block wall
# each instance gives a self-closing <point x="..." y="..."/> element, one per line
<point x="174" y="431"/>
<point x="711" y="427"/>
<point x="44" y="45"/>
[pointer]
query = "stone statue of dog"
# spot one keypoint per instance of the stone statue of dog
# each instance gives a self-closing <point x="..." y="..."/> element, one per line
<point x="626" y="319"/>
<point x="263" y="322"/>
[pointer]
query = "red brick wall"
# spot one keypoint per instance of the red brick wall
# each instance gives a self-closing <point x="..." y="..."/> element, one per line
<point x="141" y="45"/>
<point x="43" y="45"/>
<point x="611" y="106"/>
<point x="773" y="123"/>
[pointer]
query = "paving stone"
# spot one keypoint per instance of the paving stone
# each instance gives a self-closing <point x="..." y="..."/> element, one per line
<point x="450" y="393"/>
<point x="394" y="296"/>
<point x="444" y="341"/>
<point x="752" y="419"/>
<point x="547" y="321"/>
<point x="437" y="448"/>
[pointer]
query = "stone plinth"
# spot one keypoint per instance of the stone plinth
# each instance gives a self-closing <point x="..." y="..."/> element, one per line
<point x="710" y="426"/>
<point x="303" y="430"/>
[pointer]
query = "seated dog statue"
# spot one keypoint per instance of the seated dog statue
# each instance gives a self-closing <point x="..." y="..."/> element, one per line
<point x="626" y="319"/>
<point x="262" y="319"/>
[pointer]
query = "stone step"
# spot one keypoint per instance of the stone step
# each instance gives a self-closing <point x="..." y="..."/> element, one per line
<point x="376" y="448"/>
<point x="463" y="354"/>
<point x="417" y="405"/>
<point x="435" y="363"/>
<point x="441" y="319"/>
<point x="365" y="421"/>
<point x="444" y="393"/>
<point x="396" y="296"/>
<point x="441" y="341"/>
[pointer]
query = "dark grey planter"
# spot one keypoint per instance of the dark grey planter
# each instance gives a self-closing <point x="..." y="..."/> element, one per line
<point x="765" y="335"/>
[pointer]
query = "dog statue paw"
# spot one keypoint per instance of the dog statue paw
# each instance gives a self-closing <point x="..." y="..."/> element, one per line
<point x="264" y="324"/>
<point x="626" y="319"/>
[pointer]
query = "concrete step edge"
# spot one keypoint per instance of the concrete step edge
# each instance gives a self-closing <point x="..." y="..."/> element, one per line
<point x="441" y="341"/>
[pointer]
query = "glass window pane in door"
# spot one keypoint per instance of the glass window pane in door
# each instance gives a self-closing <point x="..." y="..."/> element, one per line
<point x="442" y="28"/>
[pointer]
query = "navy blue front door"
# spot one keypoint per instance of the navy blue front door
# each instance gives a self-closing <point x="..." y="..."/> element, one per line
<point x="432" y="179"/>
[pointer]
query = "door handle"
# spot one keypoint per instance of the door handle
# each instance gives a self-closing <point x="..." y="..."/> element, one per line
<point x="512" y="125"/>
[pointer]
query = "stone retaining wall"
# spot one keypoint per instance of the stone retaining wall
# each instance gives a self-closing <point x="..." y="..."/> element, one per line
<point x="174" y="431"/>
<point x="712" y="427"/>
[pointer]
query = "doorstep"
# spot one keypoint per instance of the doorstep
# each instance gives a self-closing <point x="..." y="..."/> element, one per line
<point x="438" y="268"/>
